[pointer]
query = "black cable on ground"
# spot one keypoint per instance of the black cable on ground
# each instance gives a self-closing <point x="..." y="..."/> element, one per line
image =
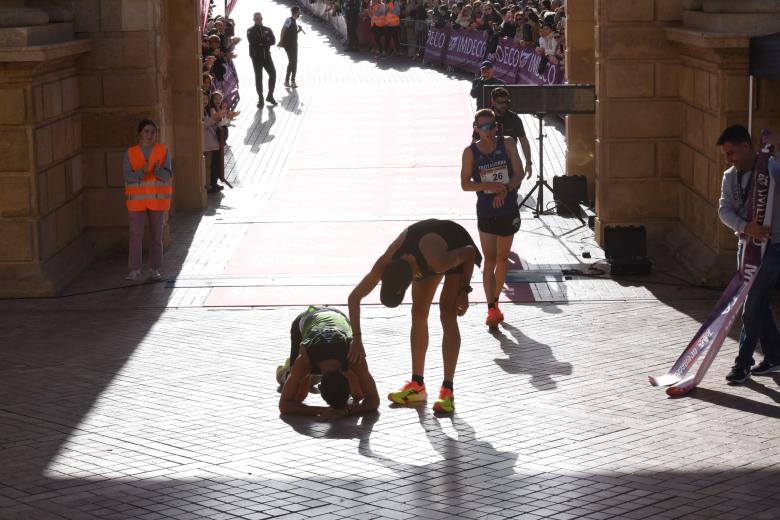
<point x="83" y="293"/>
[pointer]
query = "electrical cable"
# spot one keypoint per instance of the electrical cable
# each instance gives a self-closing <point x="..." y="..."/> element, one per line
<point x="83" y="293"/>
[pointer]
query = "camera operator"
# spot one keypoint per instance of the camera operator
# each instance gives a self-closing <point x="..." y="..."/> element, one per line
<point x="261" y="39"/>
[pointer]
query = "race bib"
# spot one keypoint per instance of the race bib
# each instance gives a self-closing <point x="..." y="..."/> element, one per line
<point x="495" y="174"/>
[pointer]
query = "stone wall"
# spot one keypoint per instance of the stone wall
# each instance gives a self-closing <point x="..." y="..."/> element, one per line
<point x="581" y="68"/>
<point x="41" y="166"/>
<point x="638" y="123"/>
<point x="77" y="77"/>
<point x="714" y="93"/>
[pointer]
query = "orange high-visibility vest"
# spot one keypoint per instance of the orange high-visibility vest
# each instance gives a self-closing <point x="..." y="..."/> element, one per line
<point x="377" y="20"/>
<point x="151" y="193"/>
<point x="392" y="19"/>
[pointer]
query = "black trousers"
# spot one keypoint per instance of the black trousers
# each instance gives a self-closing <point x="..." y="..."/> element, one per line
<point x="268" y="64"/>
<point x="352" y="35"/>
<point x="292" y="63"/>
<point x="391" y="35"/>
<point x="379" y="37"/>
<point x="216" y="167"/>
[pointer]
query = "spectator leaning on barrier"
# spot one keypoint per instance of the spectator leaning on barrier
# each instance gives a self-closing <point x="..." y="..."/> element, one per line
<point x="464" y="20"/>
<point x="261" y="39"/>
<point x="211" y="142"/>
<point x="548" y="45"/>
<point x="508" y="28"/>
<point x="485" y="78"/>
<point x="378" y="22"/>
<point x="530" y="32"/>
<point x="148" y="191"/>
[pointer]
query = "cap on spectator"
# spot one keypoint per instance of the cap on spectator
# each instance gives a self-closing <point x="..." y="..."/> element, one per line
<point x="487" y="64"/>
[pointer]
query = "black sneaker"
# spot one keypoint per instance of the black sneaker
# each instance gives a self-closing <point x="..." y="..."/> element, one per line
<point x="737" y="375"/>
<point x="271" y="101"/>
<point x="765" y="367"/>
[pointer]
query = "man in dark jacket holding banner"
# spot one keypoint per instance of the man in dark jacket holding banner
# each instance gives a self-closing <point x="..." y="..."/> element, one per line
<point x="758" y="323"/>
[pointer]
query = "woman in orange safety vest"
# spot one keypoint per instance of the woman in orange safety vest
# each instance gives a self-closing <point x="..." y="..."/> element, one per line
<point x="377" y="11"/>
<point x="148" y="191"/>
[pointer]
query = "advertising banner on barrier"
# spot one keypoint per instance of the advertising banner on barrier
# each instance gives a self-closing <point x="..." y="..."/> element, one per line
<point x="506" y="60"/>
<point x="466" y="49"/>
<point x="436" y="45"/>
<point x="528" y="70"/>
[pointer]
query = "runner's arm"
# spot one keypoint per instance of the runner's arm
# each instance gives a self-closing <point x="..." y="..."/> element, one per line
<point x="517" y="164"/>
<point x="361" y="290"/>
<point x="371" y="400"/>
<point x="290" y="401"/>
<point x="526" y="146"/>
<point x="442" y="260"/>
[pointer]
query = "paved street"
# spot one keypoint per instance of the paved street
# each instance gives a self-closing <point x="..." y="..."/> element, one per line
<point x="158" y="401"/>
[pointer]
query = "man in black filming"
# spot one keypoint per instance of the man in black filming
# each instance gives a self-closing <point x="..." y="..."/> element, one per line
<point x="261" y="39"/>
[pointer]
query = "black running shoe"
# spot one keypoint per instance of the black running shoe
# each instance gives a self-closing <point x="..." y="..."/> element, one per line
<point x="737" y="375"/>
<point x="271" y="101"/>
<point x="765" y="367"/>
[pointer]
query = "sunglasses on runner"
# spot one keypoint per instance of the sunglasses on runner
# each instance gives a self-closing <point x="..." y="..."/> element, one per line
<point x="487" y="127"/>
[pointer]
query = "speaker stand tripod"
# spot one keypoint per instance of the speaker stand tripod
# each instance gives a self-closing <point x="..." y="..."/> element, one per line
<point x="541" y="184"/>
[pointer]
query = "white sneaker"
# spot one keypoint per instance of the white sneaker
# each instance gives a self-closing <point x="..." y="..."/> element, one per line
<point x="154" y="275"/>
<point x="133" y="275"/>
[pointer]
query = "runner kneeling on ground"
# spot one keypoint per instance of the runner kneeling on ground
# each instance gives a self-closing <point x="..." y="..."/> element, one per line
<point x="319" y="341"/>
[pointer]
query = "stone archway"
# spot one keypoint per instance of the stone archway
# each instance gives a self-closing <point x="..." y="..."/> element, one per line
<point x="668" y="80"/>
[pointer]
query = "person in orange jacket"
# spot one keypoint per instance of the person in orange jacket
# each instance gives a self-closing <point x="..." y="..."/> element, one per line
<point x="378" y="22"/>
<point x="148" y="191"/>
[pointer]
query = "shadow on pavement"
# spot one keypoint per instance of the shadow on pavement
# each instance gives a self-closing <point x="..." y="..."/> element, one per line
<point x="527" y="356"/>
<point x="740" y="403"/>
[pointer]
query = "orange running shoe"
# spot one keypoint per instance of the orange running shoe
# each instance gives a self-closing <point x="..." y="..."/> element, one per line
<point x="409" y="393"/>
<point x="500" y="314"/>
<point x="446" y="401"/>
<point x="493" y="318"/>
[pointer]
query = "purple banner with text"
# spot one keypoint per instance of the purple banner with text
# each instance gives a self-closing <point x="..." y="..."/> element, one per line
<point x="436" y="45"/>
<point x="466" y="49"/>
<point x="528" y="70"/>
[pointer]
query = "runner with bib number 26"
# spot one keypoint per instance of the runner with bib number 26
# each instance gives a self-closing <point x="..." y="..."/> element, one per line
<point x="492" y="167"/>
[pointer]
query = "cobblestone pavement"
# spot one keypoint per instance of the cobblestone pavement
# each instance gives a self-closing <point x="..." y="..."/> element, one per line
<point x="158" y="401"/>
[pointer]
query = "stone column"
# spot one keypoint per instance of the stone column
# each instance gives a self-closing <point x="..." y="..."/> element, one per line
<point x="581" y="68"/>
<point x="42" y="245"/>
<point x="638" y="119"/>
<point x="182" y="83"/>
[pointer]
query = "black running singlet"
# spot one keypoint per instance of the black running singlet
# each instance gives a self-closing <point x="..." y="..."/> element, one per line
<point x="453" y="234"/>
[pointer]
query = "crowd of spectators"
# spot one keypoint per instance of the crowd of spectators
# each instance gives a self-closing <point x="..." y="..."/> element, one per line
<point x="536" y="24"/>
<point x="220" y="95"/>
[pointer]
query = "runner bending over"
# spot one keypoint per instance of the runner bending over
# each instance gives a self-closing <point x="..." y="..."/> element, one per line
<point x="492" y="168"/>
<point x="319" y="341"/>
<point x="422" y="255"/>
